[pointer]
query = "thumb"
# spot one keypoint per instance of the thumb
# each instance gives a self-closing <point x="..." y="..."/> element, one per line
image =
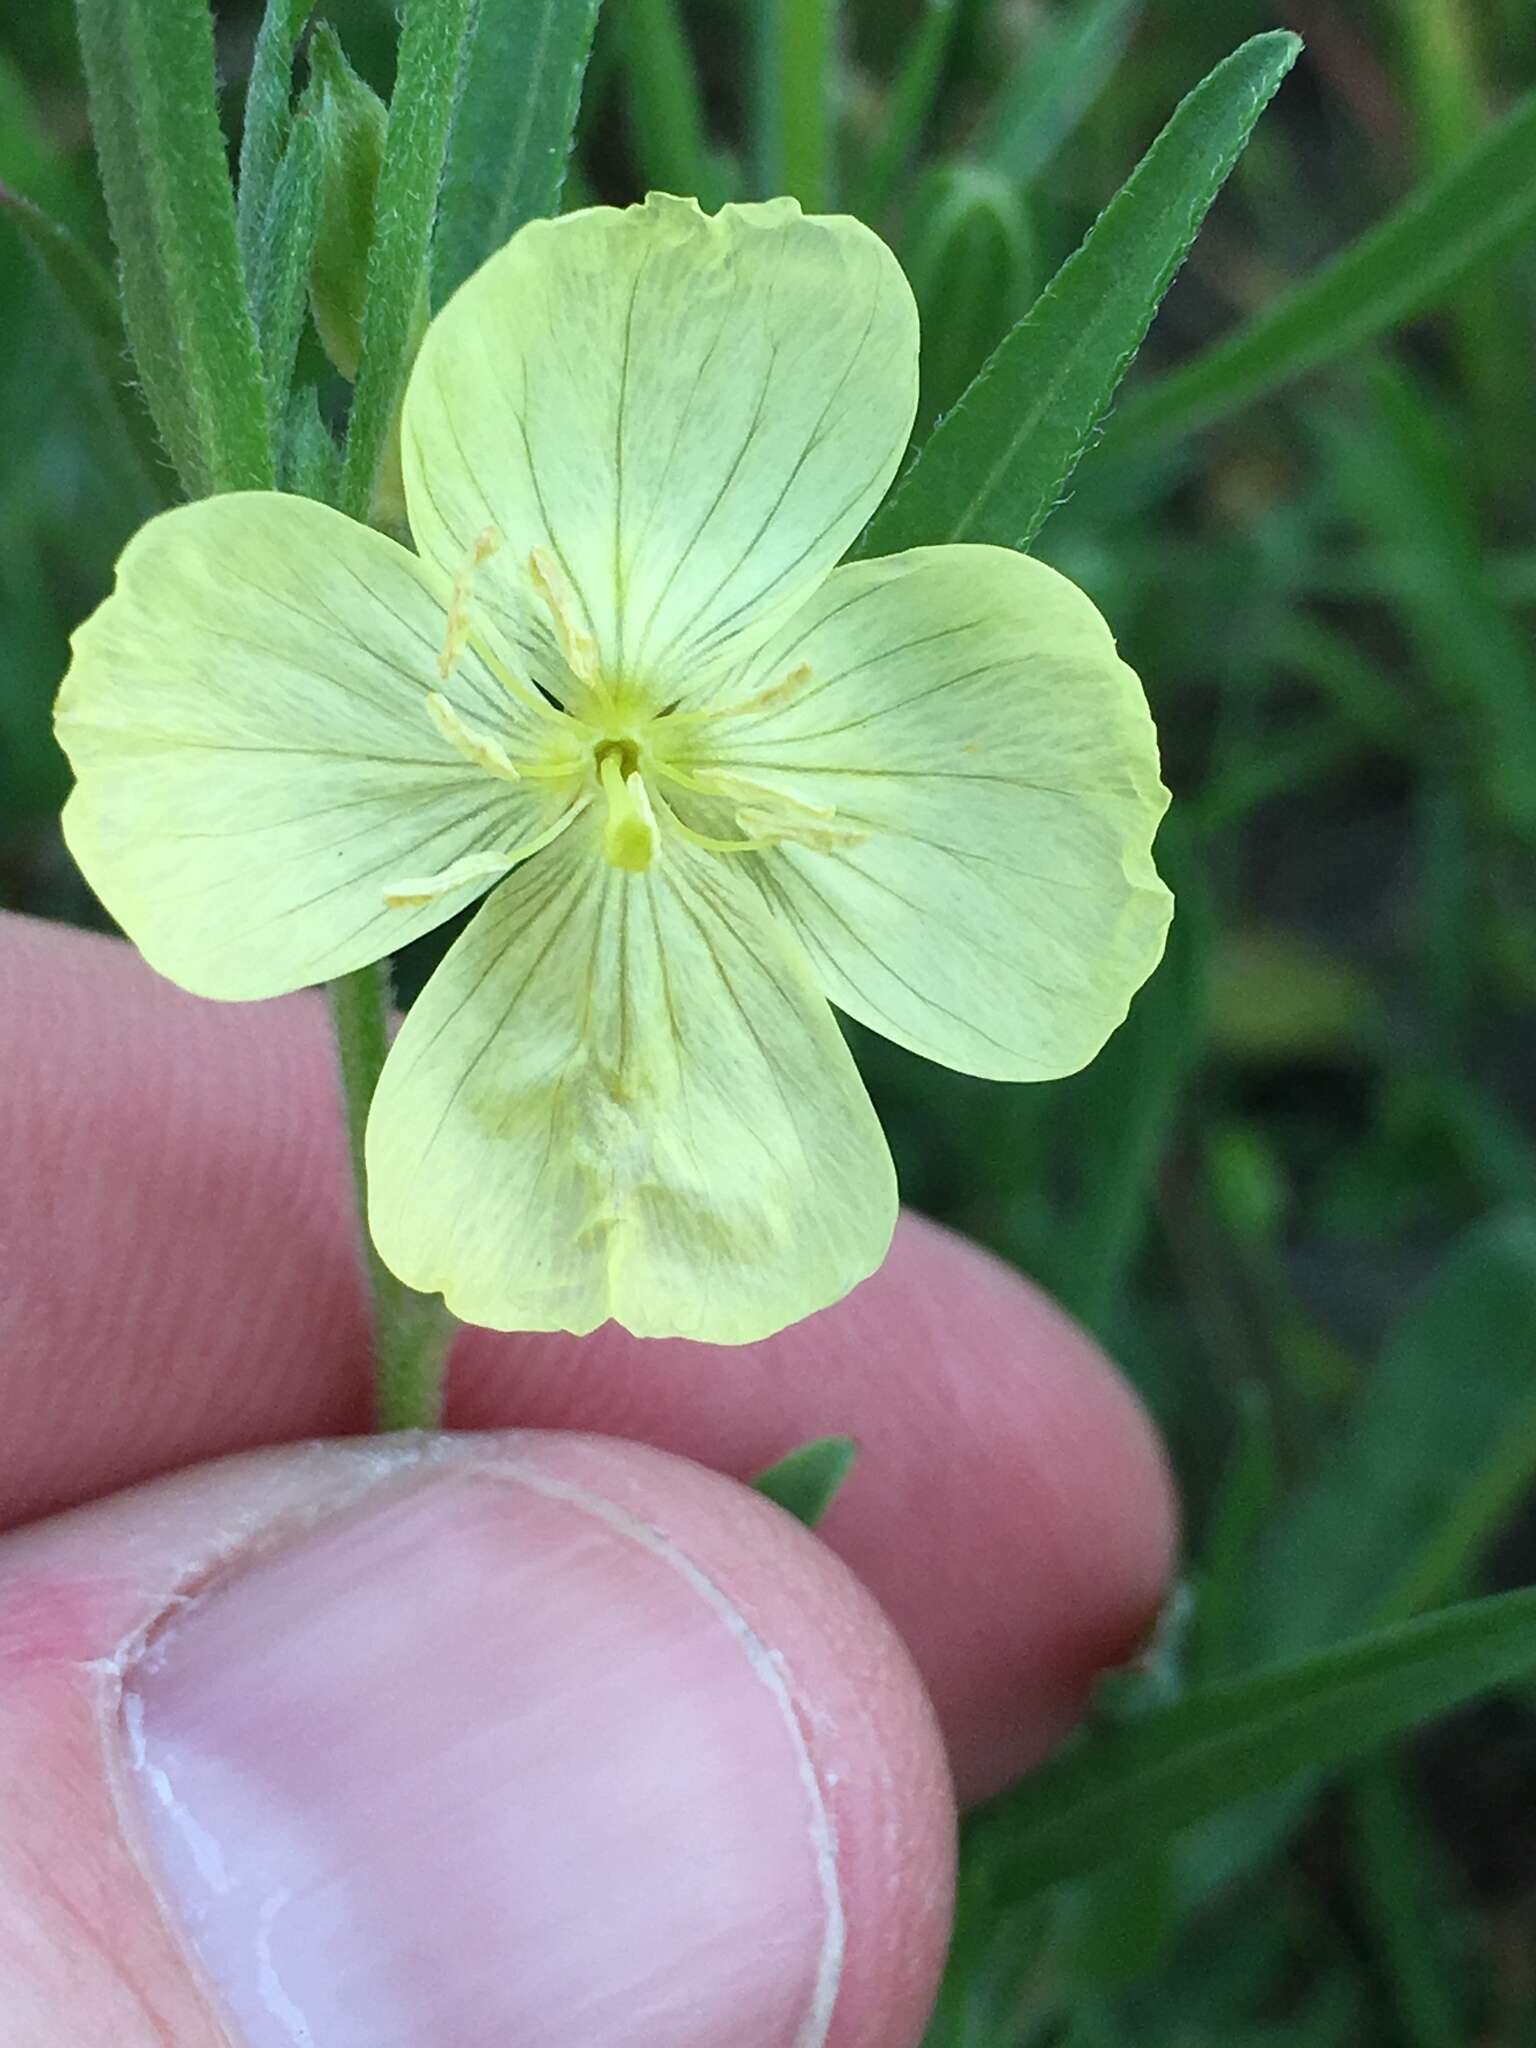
<point x="449" y="1742"/>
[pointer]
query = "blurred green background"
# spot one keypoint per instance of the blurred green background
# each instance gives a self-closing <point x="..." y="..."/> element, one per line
<point x="1297" y="1195"/>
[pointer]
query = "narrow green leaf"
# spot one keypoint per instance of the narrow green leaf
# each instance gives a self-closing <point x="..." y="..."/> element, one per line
<point x="993" y="470"/>
<point x="311" y="459"/>
<point x="1474" y="214"/>
<point x="1398" y="470"/>
<point x="1399" y="1509"/>
<point x="1124" y="1791"/>
<point x="1401" y="1880"/>
<point x="415" y="147"/>
<point x="808" y="1480"/>
<point x="268" y="117"/>
<point x="512" y="133"/>
<point x="908" y="107"/>
<point x="663" y="104"/>
<point x="150" y="75"/>
<point x="84" y="292"/>
<point x="280" y="275"/>
<point x="1058" y="80"/>
<point x="968" y="255"/>
<point x="794" y="62"/>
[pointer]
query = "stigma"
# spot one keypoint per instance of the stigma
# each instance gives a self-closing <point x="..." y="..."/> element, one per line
<point x="630" y="837"/>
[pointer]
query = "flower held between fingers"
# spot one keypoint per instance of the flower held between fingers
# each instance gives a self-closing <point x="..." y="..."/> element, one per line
<point x="711" y="780"/>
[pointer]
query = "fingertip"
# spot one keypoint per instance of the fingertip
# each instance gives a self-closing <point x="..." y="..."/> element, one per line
<point x="508" y="1737"/>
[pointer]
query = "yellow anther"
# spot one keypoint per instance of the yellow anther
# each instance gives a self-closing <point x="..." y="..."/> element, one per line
<point x="777" y="829"/>
<point x="475" y="746"/>
<point x="484" y="545"/>
<point x="476" y="868"/>
<point x="630" y="837"/>
<point x="765" y="700"/>
<point x="578" y="649"/>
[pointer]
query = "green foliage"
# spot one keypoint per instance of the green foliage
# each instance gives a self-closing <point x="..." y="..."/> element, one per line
<point x="149" y="66"/>
<point x="512" y="131"/>
<point x="805" y="1482"/>
<point x="432" y="44"/>
<point x="1481" y="208"/>
<point x="996" y="467"/>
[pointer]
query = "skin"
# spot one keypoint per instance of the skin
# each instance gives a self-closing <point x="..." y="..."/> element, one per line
<point x="181" y="1283"/>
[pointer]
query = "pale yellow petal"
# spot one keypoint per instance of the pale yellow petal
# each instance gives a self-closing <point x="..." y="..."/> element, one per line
<point x="620" y="1096"/>
<point x="248" y="720"/>
<point x="985" y="893"/>
<point x="673" y="423"/>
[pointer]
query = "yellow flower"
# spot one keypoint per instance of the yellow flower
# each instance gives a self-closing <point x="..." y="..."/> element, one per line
<point x="716" y="781"/>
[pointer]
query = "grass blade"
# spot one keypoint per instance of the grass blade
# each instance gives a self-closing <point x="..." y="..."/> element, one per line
<point x="150" y="76"/>
<point x="1472" y="215"/>
<point x="664" y="106"/>
<point x="794" y="62"/>
<point x="907" y="108"/>
<point x="993" y="470"/>
<point x="1055" y="86"/>
<point x="1125" y="1790"/>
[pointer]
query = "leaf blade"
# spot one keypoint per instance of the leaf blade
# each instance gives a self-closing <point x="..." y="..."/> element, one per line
<point x="150" y="79"/>
<point x="1469" y="217"/>
<point x="502" y="172"/>
<point x="1127" y="1789"/>
<point x="1029" y="416"/>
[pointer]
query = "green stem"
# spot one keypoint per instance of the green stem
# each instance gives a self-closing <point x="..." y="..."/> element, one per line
<point x="410" y="1331"/>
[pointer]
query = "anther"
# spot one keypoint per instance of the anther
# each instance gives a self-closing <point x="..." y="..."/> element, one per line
<point x="474" y="745"/>
<point x="578" y="649"/>
<point x="485" y="544"/>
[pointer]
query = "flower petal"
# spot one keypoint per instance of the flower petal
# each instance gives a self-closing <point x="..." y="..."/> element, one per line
<point x="247" y="716"/>
<point x="966" y="710"/>
<point x="620" y="1096"/>
<point x="687" y="417"/>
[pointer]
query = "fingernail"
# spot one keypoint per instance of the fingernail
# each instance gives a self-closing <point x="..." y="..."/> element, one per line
<point x="485" y="1763"/>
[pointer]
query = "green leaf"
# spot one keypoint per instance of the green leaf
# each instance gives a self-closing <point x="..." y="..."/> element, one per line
<point x="512" y="133"/>
<point x="311" y="458"/>
<point x="268" y="119"/>
<point x="1406" y="1891"/>
<point x="1124" y="1791"/>
<point x="280" y="273"/>
<point x="794" y="61"/>
<point x="1432" y="1461"/>
<point x="967" y="253"/>
<point x="415" y="147"/>
<point x="1475" y="213"/>
<point x="1061" y="75"/>
<point x="84" y="291"/>
<point x="149" y="72"/>
<point x="908" y="107"/>
<point x="1398" y="470"/>
<point x="808" y="1480"/>
<point x="993" y="470"/>
<point x="664" y="106"/>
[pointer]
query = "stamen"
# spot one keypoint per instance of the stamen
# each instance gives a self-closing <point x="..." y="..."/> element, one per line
<point x="475" y="746"/>
<point x="630" y="837"/>
<point x="738" y="788"/>
<point x="578" y="649"/>
<point x="411" y="893"/>
<point x="485" y="544"/>
<point x="764" y="700"/>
